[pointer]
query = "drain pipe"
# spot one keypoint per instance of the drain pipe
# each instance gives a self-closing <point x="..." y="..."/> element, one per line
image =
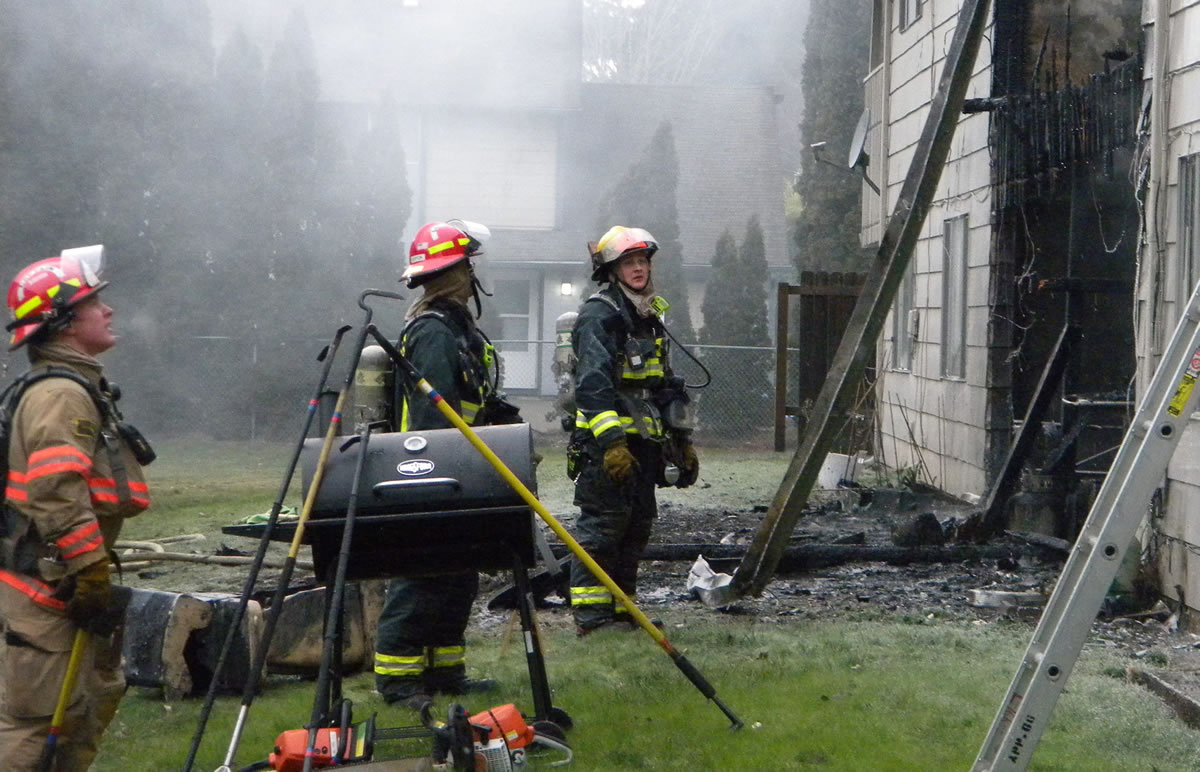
<point x="1152" y="280"/>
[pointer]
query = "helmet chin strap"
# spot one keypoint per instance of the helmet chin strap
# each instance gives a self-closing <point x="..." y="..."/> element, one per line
<point x="476" y="288"/>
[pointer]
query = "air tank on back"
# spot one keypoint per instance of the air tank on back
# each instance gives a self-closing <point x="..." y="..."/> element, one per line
<point x="563" y="369"/>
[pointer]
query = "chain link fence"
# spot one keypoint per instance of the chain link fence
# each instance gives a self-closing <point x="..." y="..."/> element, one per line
<point x="732" y="389"/>
<point x="258" y="388"/>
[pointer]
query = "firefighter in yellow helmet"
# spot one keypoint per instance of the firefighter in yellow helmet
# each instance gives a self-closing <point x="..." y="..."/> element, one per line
<point x="420" y="644"/>
<point x="73" y="477"/>
<point x="623" y="390"/>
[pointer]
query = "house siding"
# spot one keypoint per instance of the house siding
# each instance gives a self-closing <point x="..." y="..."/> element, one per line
<point x="1175" y="531"/>
<point x="926" y="420"/>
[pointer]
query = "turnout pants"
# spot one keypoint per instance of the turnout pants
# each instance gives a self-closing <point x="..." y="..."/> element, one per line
<point x="37" y="647"/>
<point x="614" y="524"/>
<point x="420" y="644"/>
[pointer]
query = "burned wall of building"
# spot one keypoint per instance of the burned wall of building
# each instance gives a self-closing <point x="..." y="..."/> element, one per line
<point x="1049" y="45"/>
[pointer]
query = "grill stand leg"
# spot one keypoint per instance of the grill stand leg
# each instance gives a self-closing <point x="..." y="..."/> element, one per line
<point x="542" y="708"/>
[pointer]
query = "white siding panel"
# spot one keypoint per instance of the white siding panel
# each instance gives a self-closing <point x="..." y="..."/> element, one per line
<point x="978" y="284"/>
<point x="981" y="81"/>
<point x="1184" y="107"/>
<point x="1185" y="463"/>
<point x="981" y="223"/>
<point x="502" y="173"/>
<point x="1185" y="29"/>
<point x="903" y="388"/>
<point x="929" y="356"/>
<point x="907" y="97"/>
<point x="979" y="240"/>
<point x="962" y="177"/>
<point x="935" y="275"/>
<point x="977" y="327"/>
<point x="912" y="63"/>
<point x="927" y="264"/>
<point x="975" y="398"/>
<point x="921" y="298"/>
<point x="906" y="131"/>
<point x="898" y="163"/>
<point x="1173" y="570"/>
<point x="1188" y="525"/>
<point x="943" y="9"/>
<point x="971" y="134"/>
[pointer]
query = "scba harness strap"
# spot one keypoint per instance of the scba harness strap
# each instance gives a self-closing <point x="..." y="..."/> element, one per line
<point x="480" y="377"/>
<point x="17" y="551"/>
<point x="637" y="359"/>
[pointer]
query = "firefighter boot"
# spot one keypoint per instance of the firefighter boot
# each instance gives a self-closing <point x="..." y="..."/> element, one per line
<point x="404" y="692"/>
<point x="454" y="681"/>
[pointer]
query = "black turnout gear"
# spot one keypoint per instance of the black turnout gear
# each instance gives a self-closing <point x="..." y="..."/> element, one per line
<point x="420" y="646"/>
<point x="621" y="370"/>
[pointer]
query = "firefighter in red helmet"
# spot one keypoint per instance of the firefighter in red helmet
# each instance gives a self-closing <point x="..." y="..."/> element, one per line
<point x="73" y="477"/>
<point x="420" y="646"/>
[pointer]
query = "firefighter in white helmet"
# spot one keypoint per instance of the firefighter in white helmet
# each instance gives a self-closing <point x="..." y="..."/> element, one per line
<point x="623" y="390"/>
<point x="73" y="477"/>
<point x="420" y="645"/>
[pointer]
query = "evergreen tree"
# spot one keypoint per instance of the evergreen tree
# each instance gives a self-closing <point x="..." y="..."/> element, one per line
<point x="384" y="199"/>
<point x="645" y="198"/>
<point x="364" y="202"/>
<point x="290" y="95"/>
<point x="735" y="315"/>
<point x="837" y="52"/>
<point x="721" y="292"/>
<point x="53" y="129"/>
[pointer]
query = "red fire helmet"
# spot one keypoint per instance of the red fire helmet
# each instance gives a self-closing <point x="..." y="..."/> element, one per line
<point x="440" y="245"/>
<point x="44" y="292"/>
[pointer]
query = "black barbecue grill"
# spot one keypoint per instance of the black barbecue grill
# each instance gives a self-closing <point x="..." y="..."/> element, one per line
<point x="428" y="503"/>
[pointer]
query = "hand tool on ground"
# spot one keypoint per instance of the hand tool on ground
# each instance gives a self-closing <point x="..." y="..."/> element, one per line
<point x="289" y="565"/>
<point x="681" y="662"/>
<point x="46" y="762"/>
<point x="327" y="355"/>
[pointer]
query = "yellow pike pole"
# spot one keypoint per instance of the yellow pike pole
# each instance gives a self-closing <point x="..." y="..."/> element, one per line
<point x="46" y="762"/>
<point x="688" y="669"/>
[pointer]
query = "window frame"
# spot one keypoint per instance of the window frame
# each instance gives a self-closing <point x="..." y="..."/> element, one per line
<point x="954" y="297"/>
<point x="903" y="340"/>
<point x="507" y="316"/>
<point x="1188" y="267"/>
<point x="908" y="12"/>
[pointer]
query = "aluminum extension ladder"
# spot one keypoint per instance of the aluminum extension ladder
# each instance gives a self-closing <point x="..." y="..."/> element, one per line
<point x="1107" y="534"/>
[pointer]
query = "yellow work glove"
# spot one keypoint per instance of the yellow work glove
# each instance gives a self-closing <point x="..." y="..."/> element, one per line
<point x="618" y="461"/>
<point x="90" y="608"/>
<point x="689" y="468"/>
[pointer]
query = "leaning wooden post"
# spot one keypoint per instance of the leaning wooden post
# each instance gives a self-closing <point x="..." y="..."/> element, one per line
<point x="887" y="269"/>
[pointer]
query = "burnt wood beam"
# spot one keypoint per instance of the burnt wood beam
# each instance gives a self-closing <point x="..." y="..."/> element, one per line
<point x="1018" y="451"/>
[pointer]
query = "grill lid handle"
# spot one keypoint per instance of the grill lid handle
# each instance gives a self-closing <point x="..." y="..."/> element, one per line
<point x="393" y="486"/>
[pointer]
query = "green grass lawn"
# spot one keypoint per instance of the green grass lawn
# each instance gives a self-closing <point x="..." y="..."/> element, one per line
<point x="852" y="694"/>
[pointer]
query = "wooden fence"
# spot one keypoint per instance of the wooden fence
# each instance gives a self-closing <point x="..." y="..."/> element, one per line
<point x="826" y="301"/>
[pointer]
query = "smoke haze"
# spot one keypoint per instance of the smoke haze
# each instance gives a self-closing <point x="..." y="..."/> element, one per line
<point x="252" y="166"/>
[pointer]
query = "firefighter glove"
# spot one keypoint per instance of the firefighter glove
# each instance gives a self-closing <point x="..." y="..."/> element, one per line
<point x="689" y="468"/>
<point x="618" y="461"/>
<point x="91" y="607"/>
